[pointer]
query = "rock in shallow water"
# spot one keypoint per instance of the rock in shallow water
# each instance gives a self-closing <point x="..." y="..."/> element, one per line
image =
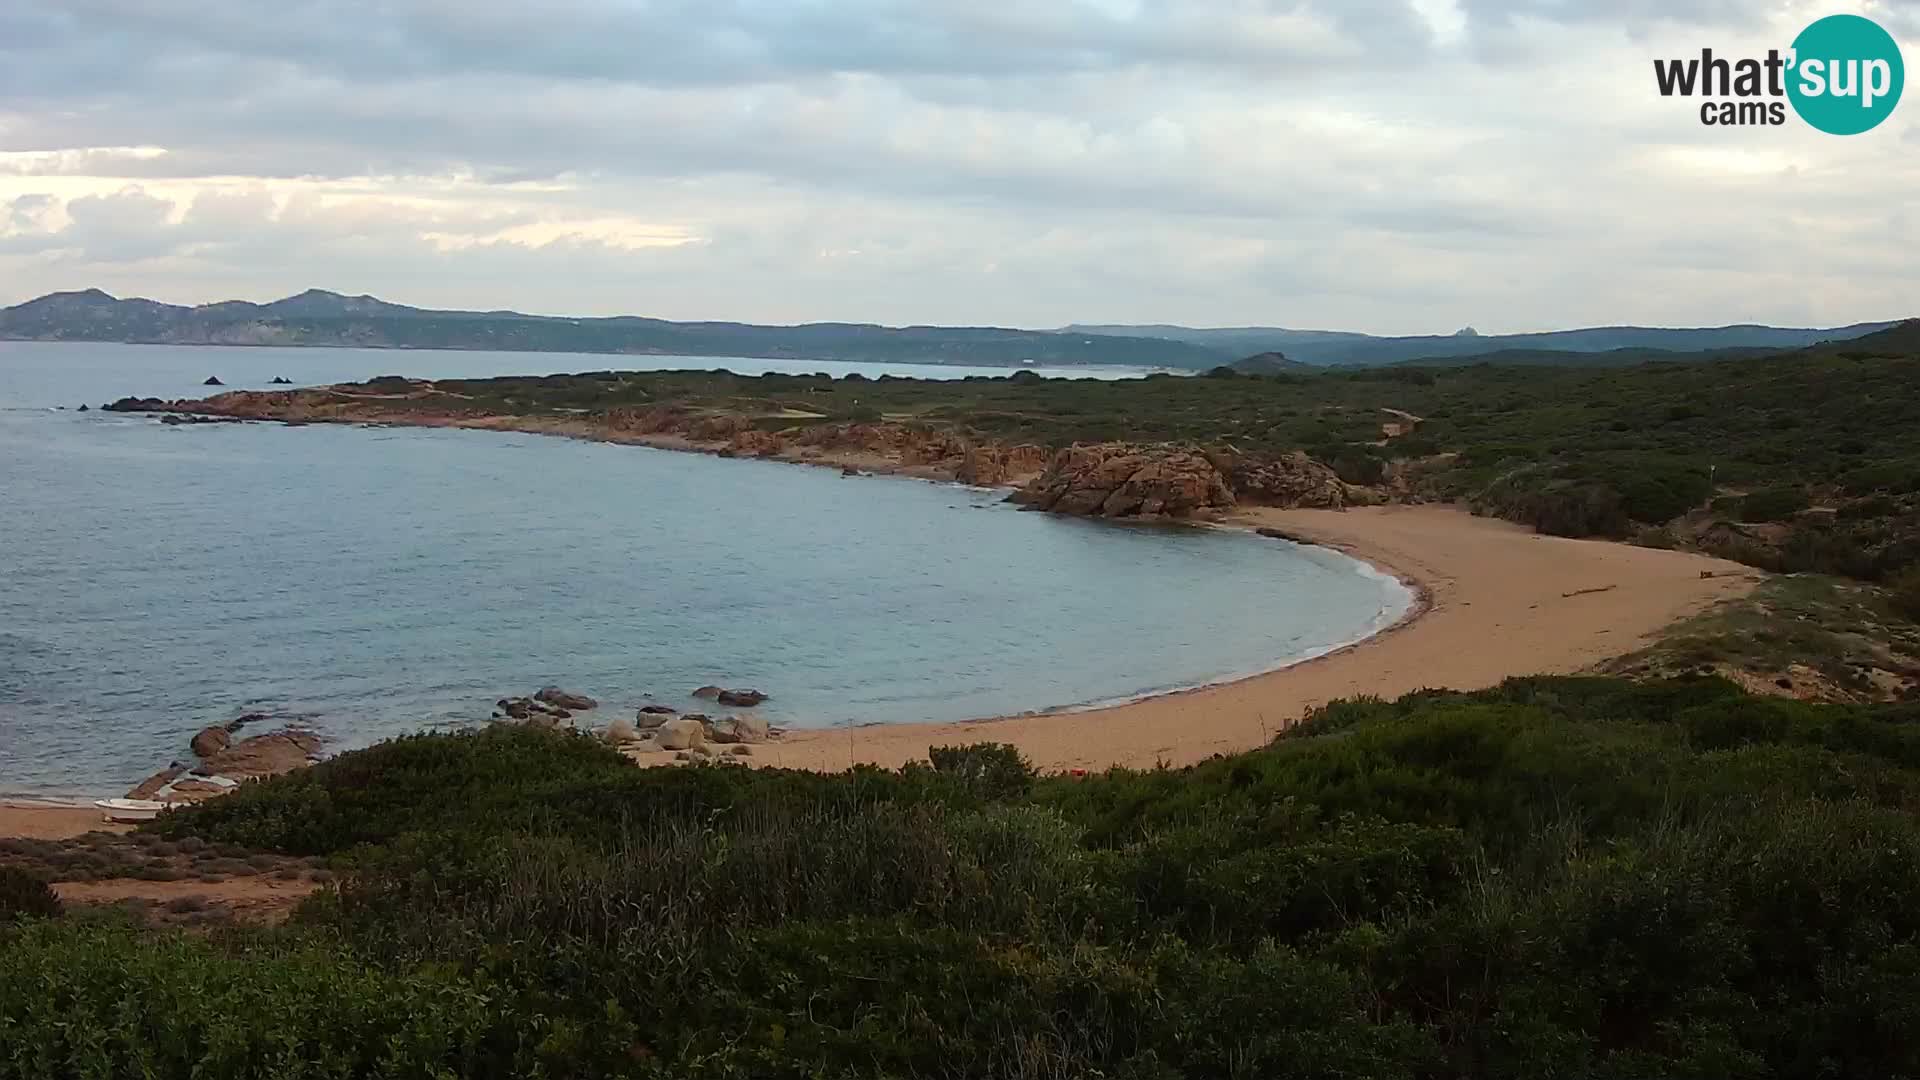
<point x="565" y="699"/>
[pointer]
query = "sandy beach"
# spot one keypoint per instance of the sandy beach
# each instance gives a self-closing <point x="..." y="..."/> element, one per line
<point x="1497" y="605"/>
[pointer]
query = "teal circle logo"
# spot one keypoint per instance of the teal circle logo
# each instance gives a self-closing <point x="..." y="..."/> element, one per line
<point x="1846" y="75"/>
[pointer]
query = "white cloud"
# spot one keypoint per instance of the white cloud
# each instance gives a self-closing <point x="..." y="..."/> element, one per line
<point x="1390" y="165"/>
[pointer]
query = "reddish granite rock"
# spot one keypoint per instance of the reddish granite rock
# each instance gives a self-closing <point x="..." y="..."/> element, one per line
<point x="1116" y="480"/>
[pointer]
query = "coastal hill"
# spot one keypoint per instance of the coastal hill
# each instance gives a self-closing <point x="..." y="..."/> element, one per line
<point x="317" y="317"/>
<point x="1805" y="460"/>
<point x="1329" y="347"/>
<point x="320" y="318"/>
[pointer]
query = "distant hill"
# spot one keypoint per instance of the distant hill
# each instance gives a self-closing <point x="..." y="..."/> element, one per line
<point x="1324" y="347"/>
<point x="1900" y="339"/>
<point x="1568" y="358"/>
<point x="317" y="317"/>
<point x="1268" y="363"/>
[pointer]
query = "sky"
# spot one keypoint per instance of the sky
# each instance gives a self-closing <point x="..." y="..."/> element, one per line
<point x="1391" y="166"/>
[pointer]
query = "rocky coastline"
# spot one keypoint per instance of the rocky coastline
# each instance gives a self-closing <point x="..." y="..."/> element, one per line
<point x="1114" y="480"/>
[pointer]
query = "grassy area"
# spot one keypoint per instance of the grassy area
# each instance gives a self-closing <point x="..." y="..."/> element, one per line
<point x="1562" y="877"/>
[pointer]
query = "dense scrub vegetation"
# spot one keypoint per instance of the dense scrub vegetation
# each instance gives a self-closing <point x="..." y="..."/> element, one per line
<point x="1746" y="446"/>
<point x="1558" y="877"/>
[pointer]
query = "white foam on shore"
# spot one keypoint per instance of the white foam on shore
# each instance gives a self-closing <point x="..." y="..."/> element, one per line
<point x="1401" y="603"/>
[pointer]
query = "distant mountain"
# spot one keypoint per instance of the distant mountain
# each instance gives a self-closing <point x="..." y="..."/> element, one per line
<point x="317" y="317"/>
<point x="1333" y="347"/>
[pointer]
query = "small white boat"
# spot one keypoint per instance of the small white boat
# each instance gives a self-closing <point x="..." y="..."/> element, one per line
<point x="130" y="810"/>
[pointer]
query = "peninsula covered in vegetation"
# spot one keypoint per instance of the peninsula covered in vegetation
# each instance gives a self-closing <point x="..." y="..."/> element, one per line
<point x="1803" y="461"/>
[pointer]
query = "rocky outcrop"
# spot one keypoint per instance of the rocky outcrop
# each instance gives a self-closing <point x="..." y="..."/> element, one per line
<point x="622" y="730"/>
<point x="213" y="380"/>
<point x="263" y="755"/>
<point x="710" y="692"/>
<point x="1285" y="480"/>
<point x="211" y="741"/>
<point x="138" y="404"/>
<point x="740" y="699"/>
<point x="153" y="785"/>
<point x="754" y="443"/>
<point x="1121" y="480"/>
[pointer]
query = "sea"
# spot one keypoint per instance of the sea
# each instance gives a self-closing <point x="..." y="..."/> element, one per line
<point x="369" y="582"/>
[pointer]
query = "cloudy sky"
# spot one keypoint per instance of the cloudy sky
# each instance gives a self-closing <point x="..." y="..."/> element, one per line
<point x="1396" y="166"/>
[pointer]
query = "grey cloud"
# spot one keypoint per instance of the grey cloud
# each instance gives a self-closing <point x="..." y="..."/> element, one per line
<point x="946" y="160"/>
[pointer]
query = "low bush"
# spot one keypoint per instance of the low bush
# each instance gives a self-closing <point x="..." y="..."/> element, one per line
<point x="1554" y="876"/>
<point x="1773" y="504"/>
<point x="24" y="895"/>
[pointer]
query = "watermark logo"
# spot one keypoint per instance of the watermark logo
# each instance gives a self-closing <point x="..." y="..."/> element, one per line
<point x="1843" y="75"/>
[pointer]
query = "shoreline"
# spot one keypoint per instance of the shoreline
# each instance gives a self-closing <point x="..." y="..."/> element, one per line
<point x="1493" y="600"/>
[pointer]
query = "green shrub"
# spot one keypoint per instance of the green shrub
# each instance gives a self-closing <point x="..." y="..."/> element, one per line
<point x="91" y="1000"/>
<point x="994" y="770"/>
<point x="1553" y="876"/>
<point x="1773" y="504"/>
<point x="22" y="895"/>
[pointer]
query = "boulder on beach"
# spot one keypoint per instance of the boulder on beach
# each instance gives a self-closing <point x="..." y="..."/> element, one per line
<point x="622" y="730"/>
<point x="682" y="734"/>
<point x="151" y="786"/>
<point x="648" y="721"/>
<point x="739" y="729"/>
<point x="659" y="710"/>
<point x="516" y="708"/>
<point x="193" y="791"/>
<point x="565" y="699"/>
<point x="708" y="692"/>
<point x="742" y="699"/>
<point x="211" y="741"/>
<point x="213" y="380"/>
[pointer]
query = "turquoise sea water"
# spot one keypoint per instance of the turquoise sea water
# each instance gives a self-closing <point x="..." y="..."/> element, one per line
<point x="156" y="579"/>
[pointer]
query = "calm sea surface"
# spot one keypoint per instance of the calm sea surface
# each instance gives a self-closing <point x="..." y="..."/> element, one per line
<point x="156" y="579"/>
